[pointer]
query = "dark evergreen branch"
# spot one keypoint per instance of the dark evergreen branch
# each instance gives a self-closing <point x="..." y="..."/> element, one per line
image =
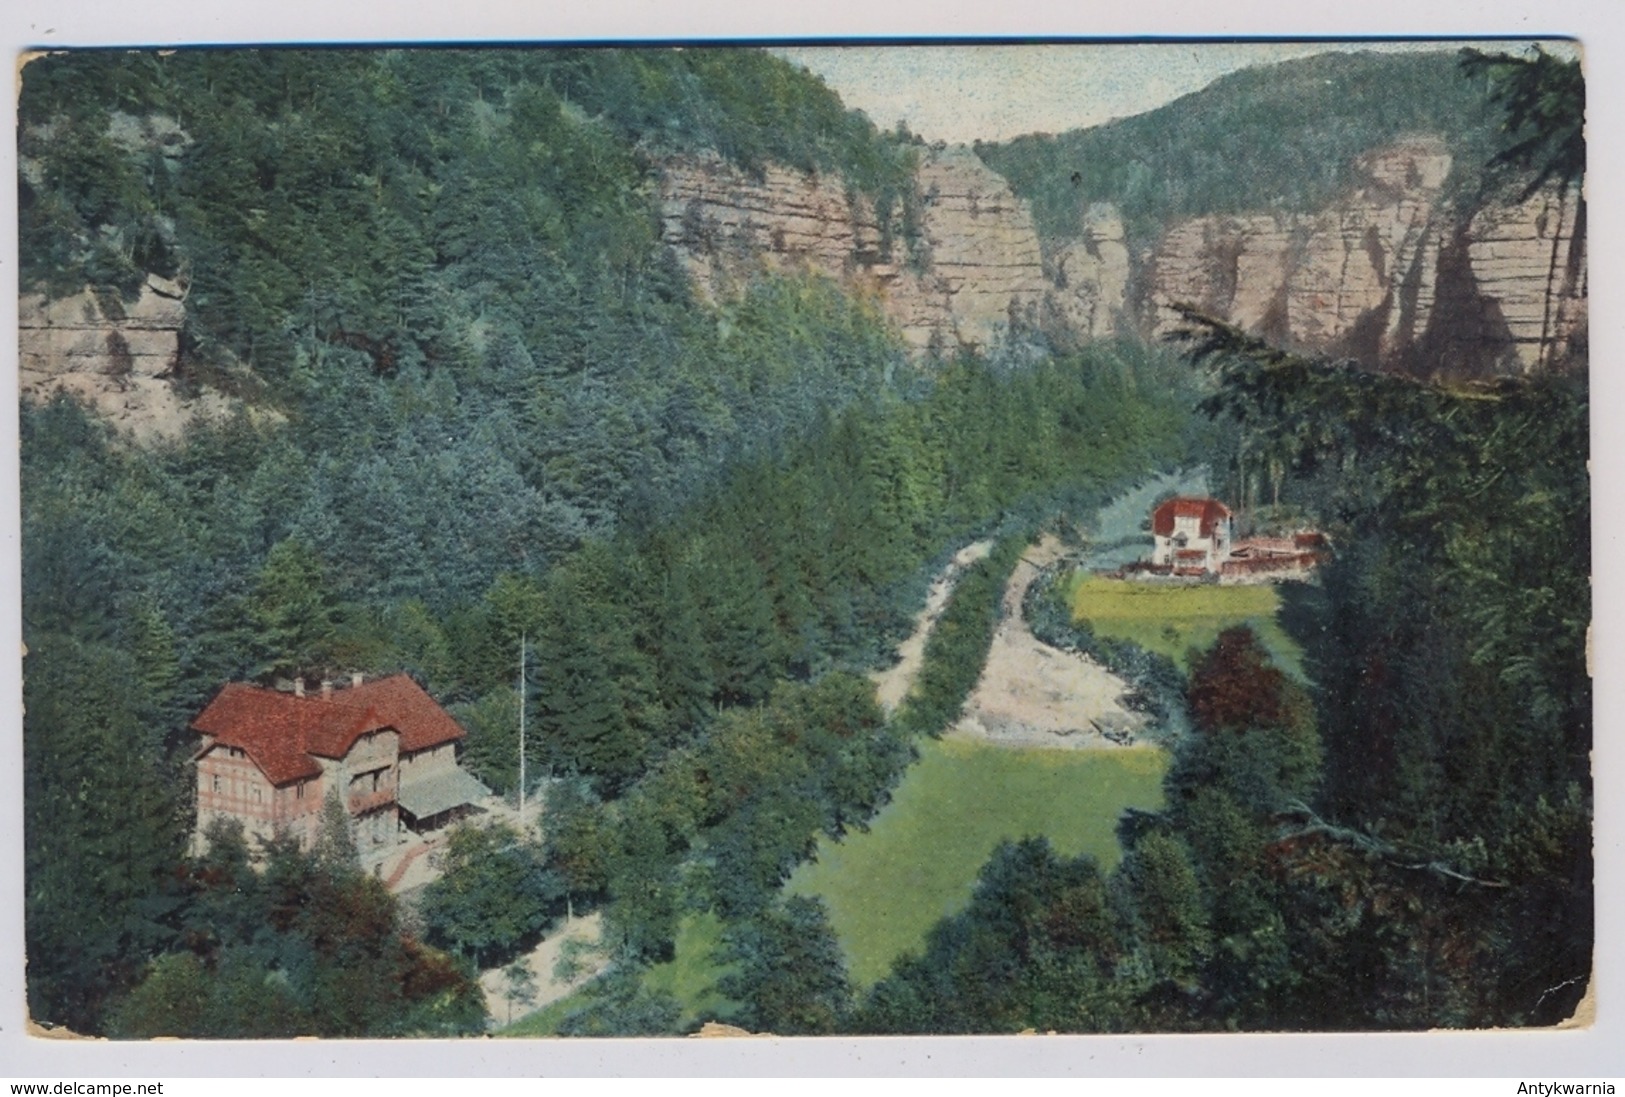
<point x="1543" y="97"/>
<point x="1368" y="843"/>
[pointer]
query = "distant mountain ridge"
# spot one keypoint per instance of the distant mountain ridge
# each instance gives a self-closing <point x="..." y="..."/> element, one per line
<point x="1281" y="137"/>
<point x="1338" y="204"/>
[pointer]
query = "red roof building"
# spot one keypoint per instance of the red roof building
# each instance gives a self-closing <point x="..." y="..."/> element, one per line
<point x="1194" y="537"/>
<point x="1191" y="536"/>
<point x="1200" y="516"/>
<point x="270" y="759"/>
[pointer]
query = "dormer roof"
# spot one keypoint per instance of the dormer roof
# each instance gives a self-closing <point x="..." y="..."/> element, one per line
<point x="1208" y="512"/>
<point x="284" y="733"/>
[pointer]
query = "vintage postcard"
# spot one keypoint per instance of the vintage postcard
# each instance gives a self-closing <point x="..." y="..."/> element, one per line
<point x="570" y="541"/>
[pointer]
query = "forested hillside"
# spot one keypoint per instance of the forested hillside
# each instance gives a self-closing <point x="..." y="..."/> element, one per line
<point x="1275" y="137"/>
<point x="497" y="412"/>
<point x="480" y="406"/>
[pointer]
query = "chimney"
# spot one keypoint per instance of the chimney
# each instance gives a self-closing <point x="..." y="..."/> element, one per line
<point x="299" y="685"/>
<point x="327" y="688"/>
<point x="355" y="678"/>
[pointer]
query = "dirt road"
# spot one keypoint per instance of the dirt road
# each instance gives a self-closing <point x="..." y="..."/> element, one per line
<point x="1031" y="694"/>
<point x="541" y="961"/>
<point x="893" y="683"/>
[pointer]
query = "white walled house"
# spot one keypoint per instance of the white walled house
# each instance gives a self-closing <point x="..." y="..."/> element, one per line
<point x="1191" y="536"/>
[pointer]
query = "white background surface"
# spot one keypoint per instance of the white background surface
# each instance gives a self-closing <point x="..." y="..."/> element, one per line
<point x="1599" y="1051"/>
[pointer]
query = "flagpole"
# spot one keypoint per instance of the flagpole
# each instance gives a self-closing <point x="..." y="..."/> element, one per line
<point x="521" y="734"/>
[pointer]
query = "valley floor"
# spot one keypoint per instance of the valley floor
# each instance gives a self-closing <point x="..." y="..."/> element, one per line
<point x="1034" y="695"/>
<point x="918" y="862"/>
<point x="1028" y="758"/>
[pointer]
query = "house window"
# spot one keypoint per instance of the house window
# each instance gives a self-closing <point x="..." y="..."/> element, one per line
<point x="256" y="794"/>
<point x="299" y="791"/>
<point x="217" y="782"/>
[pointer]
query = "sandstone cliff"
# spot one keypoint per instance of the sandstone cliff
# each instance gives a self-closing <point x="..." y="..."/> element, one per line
<point x="982" y="246"/>
<point x="973" y="264"/>
<point x="1390" y="275"/>
<point x="1513" y="276"/>
<point x="1091" y="275"/>
<point x="118" y="356"/>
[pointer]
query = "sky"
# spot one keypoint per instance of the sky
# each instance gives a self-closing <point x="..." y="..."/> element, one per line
<point x="994" y="92"/>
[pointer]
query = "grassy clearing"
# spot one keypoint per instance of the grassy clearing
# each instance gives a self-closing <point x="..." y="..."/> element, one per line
<point x="691" y="975"/>
<point x="545" y="1021"/>
<point x="1175" y="619"/>
<point x="886" y="888"/>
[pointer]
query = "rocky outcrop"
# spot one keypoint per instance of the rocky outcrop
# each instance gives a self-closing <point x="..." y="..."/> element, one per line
<point x="727" y="226"/>
<point x="1388" y="275"/>
<point x="1353" y="279"/>
<point x="117" y="355"/>
<point x="972" y="266"/>
<point x="1512" y="291"/>
<point x="1091" y="275"/>
<point x="982" y="245"/>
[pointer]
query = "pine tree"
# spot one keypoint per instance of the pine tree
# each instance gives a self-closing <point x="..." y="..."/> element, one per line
<point x="293" y="613"/>
<point x="787" y="970"/>
<point x="334" y="849"/>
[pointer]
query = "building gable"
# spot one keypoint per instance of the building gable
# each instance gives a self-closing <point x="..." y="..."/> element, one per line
<point x="1208" y="513"/>
<point x="282" y="733"/>
<point x="408" y="709"/>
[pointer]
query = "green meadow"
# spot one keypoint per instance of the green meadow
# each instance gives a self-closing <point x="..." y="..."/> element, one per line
<point x="918" y="862"/>
<point x="1175" y="619"/>
<point x="691" y="974"/>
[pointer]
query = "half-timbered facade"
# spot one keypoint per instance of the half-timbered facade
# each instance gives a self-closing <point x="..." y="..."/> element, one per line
<point x="271" y="758"/>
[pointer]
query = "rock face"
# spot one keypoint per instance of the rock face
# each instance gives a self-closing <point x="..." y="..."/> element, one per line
<point x="1513" y="285"/>
<point x="116" y="355"/>
<point x="973" y="267"/>
<point x="1091" y="275"/>
<point x="982" y="245"/>
<point x="1354" y="279"/>
<point x="1387" y="275"/>
<point x="727" y="226"/>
